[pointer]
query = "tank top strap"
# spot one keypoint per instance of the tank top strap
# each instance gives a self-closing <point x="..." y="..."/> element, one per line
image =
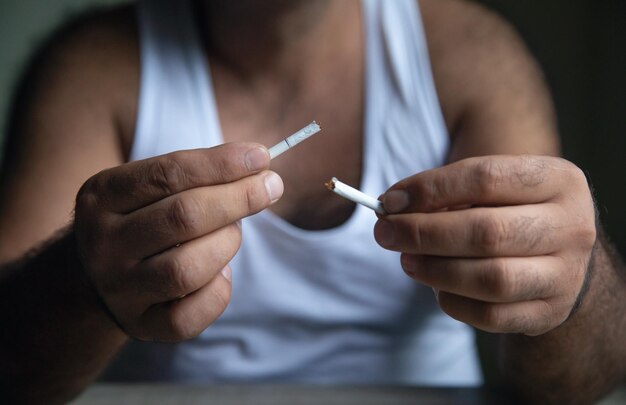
<point x="176" y="107"/>
<point x="406" y="131"/>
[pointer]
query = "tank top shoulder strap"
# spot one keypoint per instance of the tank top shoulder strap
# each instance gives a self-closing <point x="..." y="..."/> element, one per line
<point x="176" y="107"/>
<point x="406" y="131"/>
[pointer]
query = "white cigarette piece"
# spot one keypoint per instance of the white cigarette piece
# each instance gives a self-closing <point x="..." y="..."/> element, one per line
<point x="355" y="195"/>
<point x="291" y="141"/>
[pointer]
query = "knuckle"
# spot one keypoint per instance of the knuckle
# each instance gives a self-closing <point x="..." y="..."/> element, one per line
<point x="180" y="326"/>
<point x="490" y="175"/>
<point x="493" y="318"/>
<point x="587" y="231"/>
<point x="573" y="171"/>
<point x="227" y="249"/>
<point x="576" y="176"/>
<point x="529" y="171"/>
<point x="221" y="253"/>
<point x="418" y="232"/>
<point x="431" y="194"/>
<point x="86" y="198"/>
<point x="498" y="280"/>
<point x="176" y="275"/>
<point x="588" y="235"/>
<point x="572" y="175"/>
<point x="95" y="230"/>
<point x="168" y="174"/>
<point x="488" y="233"/>
<point x="221" y="298"/>
<point x="184" y="215"/>
<point x="545" y="318"/>
<point x="235" y="238"/>
<point x="223" y="169"/>
<point x="584" y="232"/>
<point x="549" y="313"/>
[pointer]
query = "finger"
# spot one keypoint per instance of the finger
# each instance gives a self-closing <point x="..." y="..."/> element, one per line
<point x="186" y="318"/>
<point x="527" y="317"/>
<point x="137" y="184"/>
<point x="489" y="180"/>
<point x="180" y="271"/>
<point x="530" y="230"/>
<point x="194" y="213"/>
<point x="492" y="280"/>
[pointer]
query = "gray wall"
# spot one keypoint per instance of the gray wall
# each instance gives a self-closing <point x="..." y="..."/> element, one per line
<point x="581" y="45"/>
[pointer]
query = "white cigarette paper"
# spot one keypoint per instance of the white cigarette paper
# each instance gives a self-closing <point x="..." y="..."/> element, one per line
<point x="294" y="139"/>
<point x="355" y="195"/>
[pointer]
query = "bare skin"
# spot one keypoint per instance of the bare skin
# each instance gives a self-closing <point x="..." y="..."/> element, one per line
<point x="528" y="221"/>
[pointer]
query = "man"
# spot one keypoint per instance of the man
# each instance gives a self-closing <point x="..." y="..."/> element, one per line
<point x="503" y="233"/>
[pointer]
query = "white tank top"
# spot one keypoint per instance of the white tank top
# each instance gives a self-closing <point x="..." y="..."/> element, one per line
<point x="326" y="306"/>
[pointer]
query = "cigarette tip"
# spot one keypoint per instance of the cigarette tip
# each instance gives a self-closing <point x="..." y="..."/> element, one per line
<point x="319" y="124"/>
<point x="330" y="184"/>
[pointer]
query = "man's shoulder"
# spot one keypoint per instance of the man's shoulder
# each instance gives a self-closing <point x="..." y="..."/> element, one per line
<point x="85" y="74"/>
<point x="454" y="26"/>
<point x="492" y="91"/>
<point x="89" y="39"/>
<point x="472" y="49"/>
<point x="94" y="57"/>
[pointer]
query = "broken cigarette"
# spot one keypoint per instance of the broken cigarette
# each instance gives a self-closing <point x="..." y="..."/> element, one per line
<point x="355" y="195"/>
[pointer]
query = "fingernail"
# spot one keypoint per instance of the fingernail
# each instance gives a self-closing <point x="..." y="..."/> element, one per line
<point x="274" y="186"/>
<point x="396" y="201"/>
<point x="256" y="159"/>
<point x="227" y="273"/>
<point x="385" y="233"/>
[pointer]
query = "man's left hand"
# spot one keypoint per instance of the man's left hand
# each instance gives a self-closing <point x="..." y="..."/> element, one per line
<point x="505" y="241"/>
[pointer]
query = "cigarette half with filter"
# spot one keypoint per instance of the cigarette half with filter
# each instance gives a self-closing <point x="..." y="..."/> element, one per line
<point x="355" y="195"/>
<point x="294" y="139"/>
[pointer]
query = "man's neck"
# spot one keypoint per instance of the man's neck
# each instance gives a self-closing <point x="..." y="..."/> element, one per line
<point x="274" y="39"/>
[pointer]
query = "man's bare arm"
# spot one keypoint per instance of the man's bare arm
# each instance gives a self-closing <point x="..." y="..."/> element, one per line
<point x="495" y="102"/>
<point x="55" y="335"/>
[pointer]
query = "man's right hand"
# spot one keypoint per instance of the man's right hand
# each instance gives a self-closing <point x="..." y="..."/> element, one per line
<point x="156" y="236"/>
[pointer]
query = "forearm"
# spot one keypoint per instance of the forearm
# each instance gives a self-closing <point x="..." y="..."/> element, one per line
<point x="585" y="357"/>
<point x="55" y="337"/>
